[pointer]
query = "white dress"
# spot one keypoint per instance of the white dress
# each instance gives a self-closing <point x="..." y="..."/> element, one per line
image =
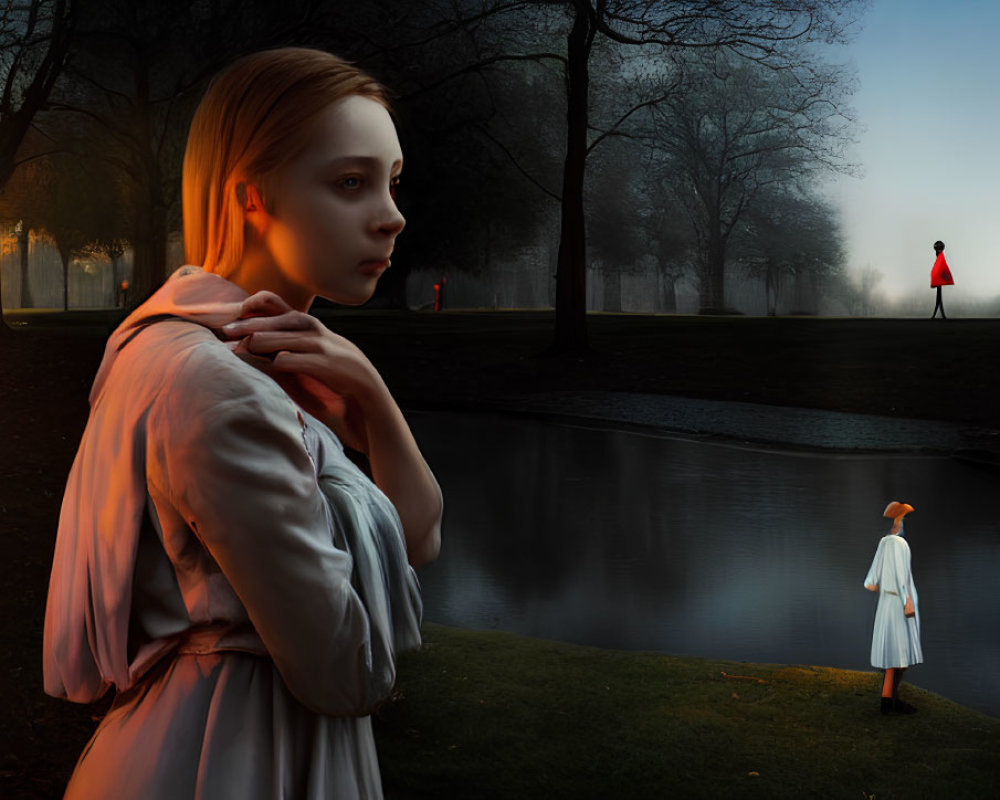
<point x="896" y="637"/>
<point x="224" y="566"/>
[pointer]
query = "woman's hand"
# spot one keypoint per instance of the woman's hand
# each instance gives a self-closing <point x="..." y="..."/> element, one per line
<point x="908" y="609"/>
<point x="871" y="587"/>
<point x="324" y="373"/>
<point x="335" y="382"/>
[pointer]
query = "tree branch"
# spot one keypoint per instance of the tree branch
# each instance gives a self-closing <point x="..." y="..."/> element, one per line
<point x="613" y="130"/>
<point x="517" y="165"/>
<point x="481" y="64"/>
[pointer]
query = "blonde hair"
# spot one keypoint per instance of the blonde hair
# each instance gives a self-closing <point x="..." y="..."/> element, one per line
<point x="255" y="117"/>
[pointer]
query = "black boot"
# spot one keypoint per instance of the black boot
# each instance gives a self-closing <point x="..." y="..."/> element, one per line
<point x="887" y="705"/>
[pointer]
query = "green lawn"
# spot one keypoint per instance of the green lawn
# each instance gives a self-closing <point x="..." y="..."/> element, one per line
<point x="493" y="715"/>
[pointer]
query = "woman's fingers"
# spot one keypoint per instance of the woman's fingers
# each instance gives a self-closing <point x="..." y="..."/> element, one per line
<point x="265" y="311"/>
<point x="287" y="321"/>
<point x="271" y="341"/>
<point x="264" y="304"/>
<point x="327" y="357"/>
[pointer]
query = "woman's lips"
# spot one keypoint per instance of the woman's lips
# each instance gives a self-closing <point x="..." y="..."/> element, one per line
<point x="373" y="267"/>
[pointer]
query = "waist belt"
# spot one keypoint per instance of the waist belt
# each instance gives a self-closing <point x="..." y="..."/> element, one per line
<point x="202" y="641"/>
<point x="894" y="594"/>
<point x="153" y="657"/>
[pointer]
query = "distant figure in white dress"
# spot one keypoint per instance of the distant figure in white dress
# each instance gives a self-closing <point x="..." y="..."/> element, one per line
<point x="896" y="638"/>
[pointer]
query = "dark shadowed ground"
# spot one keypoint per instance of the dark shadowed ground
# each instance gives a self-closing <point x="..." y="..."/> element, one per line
<point x="919" y="369"/>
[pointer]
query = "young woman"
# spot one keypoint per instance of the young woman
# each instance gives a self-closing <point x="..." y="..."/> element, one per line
<point x="220" y="561"/>
<point x="940" y="276"/>
<point x="896" y="637"/>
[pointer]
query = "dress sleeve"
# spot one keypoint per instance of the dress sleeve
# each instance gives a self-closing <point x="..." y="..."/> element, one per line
<point x="236" y="468"/>
<point x="899" y="557"/>
<point x="874" y="576"/>
<point x="891" y="568"/>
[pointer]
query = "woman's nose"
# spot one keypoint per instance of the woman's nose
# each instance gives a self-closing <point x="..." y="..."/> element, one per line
<point x="392" y="223"/>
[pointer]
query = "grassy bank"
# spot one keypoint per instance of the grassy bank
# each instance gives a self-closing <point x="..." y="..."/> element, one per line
<point x="492" y="715"/>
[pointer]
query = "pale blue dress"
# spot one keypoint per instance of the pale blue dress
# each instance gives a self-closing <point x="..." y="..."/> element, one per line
<point x="896" y="637"/>
<point x="227" y="570"/>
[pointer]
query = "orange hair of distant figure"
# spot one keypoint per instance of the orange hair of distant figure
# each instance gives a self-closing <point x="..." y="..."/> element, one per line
<point x="255" y="117"/>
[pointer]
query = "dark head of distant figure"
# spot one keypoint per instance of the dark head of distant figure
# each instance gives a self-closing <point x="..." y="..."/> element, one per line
<point x="939" y="247"/>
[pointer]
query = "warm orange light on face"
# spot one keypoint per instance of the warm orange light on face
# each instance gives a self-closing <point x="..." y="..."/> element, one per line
<point x="332" y="224"/>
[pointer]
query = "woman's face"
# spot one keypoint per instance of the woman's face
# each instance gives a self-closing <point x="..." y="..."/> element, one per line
<point x="333" y="219"/>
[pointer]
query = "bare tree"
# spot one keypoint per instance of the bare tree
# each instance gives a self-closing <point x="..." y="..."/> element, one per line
<point x="632" y="219"/>
<point x="742" y="128"/>
<point x="34" y="39"/>
<point x="790" y="236"/>
<point x="767" y="32"/>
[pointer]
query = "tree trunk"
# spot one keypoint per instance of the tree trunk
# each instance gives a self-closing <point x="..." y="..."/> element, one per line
<point x="150" y="247"/>
<point x="571" y="271"/>
<point x="3" y="325"/>
<point x="713" y="277"/>
<point x="65" y="263"/>
<point x="22" y="251"/>
<point x="612" y="289"/>
<point x="397" y="278"/>
<point x="770" y="291"/>
<point x="116" y="281"/>
<point x="669" y="295"/>
<point x="158" y="241"/>
<point x="142" y="258"/>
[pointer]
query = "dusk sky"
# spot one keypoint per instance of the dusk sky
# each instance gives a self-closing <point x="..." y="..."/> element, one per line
<point x="929" y="142"/>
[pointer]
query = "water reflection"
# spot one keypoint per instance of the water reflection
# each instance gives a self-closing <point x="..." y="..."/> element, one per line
<point x="640" y="542"/>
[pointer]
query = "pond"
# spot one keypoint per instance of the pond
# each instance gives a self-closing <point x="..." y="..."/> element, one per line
<point x="644" y="542"/>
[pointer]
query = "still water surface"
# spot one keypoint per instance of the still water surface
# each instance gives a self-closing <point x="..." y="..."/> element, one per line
<point x="642" y="542"/>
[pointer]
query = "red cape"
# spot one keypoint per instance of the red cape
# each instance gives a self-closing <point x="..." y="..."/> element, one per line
<point x="940" y="274"/>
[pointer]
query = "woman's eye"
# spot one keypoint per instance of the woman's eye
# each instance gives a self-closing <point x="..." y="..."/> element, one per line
<point x="350" y="182"/>
<point x="393" y="187"/>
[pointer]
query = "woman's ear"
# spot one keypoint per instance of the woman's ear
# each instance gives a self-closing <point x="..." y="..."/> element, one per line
<point x="248" y="196"/>
<point x="250" y="200"/>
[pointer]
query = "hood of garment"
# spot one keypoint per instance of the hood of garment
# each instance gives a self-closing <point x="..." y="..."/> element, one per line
<point x="189" y="293"/>
<point x="89" y="599"/>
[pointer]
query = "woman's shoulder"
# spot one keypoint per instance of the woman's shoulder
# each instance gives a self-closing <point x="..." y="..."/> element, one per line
<point x="894" y="540"/>
<point x="197" y="372"/>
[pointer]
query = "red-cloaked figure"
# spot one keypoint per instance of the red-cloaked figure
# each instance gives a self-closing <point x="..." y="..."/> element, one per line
<point x="940" y="276"/>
